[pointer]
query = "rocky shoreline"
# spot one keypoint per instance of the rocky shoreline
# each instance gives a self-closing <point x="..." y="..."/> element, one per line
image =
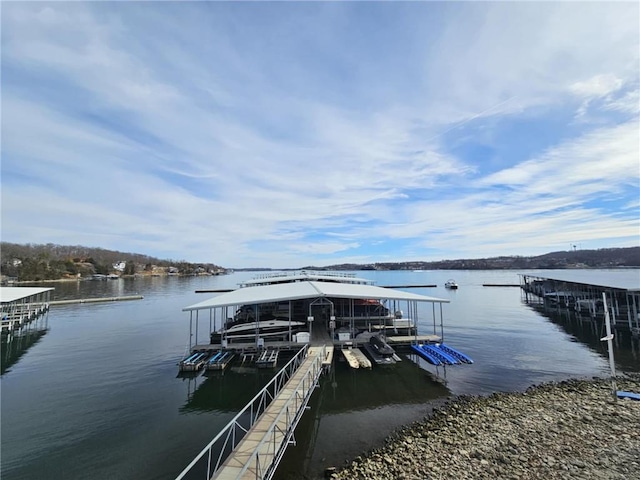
<point x="569" y="429"/>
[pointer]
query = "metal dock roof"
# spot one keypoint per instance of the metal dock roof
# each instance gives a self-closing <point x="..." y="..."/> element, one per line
<point x="306" y="275"/>
<point x="309" y="289"/>
<point x="628" y="280"/>
<point x="13" y="294"/>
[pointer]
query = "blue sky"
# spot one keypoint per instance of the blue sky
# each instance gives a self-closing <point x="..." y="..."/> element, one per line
<point x="290" y="134"/>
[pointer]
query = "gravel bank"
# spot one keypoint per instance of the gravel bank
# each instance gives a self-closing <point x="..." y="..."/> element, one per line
<point x="570" y="429"/>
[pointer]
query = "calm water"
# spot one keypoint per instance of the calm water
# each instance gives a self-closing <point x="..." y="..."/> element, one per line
<point x="98" y="396"/>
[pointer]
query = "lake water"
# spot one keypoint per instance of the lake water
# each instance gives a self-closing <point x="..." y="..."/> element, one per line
<point x="98" y="396"/>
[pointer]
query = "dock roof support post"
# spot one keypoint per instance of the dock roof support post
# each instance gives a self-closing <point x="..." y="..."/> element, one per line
<point x="415" y="328"/>
<point x="433" y="311"/>
<point x="190" y="328"/>
<point x="441" y="325"/>
<point x="197" y="322"/>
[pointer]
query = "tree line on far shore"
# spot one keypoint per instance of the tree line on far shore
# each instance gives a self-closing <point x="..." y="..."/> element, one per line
<point x="597" y="258"/>
<point x="36" y="262"/>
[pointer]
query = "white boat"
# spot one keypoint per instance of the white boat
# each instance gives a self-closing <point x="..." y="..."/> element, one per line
<point x="274" y="327"/>
<point x="451" y="284"/>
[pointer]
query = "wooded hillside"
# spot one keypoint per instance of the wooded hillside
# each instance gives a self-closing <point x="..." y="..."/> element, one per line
<point x="51" y="262"/>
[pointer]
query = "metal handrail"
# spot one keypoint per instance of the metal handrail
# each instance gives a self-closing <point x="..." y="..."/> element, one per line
<point x="293" y="413"/>
<point x="254" y="408"/>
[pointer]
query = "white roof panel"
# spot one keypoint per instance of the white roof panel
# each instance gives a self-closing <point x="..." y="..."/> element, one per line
<point x="621" y="279"/>
<point x="341" y="290"/>
<point x="300" y="290"/>
<point x="13" y="294"/>
<point x="306" y="275"/>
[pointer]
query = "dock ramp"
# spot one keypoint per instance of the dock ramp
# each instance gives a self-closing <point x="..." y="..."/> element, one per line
<point x="252" y="444"/>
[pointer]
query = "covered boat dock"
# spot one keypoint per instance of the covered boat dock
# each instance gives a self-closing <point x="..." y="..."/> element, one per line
<point x="22" y="305"/>
<point x="582" y="290"/>
<point x="330" y="309"/>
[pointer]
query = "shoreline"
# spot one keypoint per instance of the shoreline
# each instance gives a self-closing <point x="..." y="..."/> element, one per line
<point x="89" y="279"/>
<point x="567" y="429"/>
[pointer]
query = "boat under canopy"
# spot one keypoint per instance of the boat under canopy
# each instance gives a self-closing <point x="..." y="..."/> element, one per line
<point x="333" y="301"/>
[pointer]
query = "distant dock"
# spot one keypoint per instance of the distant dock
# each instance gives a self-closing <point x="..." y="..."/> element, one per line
<point x="582" y="291"/>
<point x="96" y="300"/>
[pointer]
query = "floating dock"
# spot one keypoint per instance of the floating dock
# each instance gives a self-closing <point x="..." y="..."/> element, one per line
<point x="96" y="300"/>
<point x="219" y="361"/>
<point x="350" y="358"/>
<point x="455" y="353"/>
<point x="362" y="359"/>
<point x="253" y="451"/>
<point x="267" y="358"/>
<point x="581" y="290"/>
<point x="194" y="362"/>
<point x="440" y="354"/>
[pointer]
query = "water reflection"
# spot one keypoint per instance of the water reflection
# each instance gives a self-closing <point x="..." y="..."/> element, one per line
<point x="348" y="390"/>
<point x="589" y="330"/>
<point x="15" y="344"/>
<point x="226" y="391"/>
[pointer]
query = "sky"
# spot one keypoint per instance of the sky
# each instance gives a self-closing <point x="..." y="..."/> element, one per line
<point x="292" y="134"/>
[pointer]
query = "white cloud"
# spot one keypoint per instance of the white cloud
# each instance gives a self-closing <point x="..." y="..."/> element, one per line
<point x="627" y="103"/>
<point x="598" y="86"/>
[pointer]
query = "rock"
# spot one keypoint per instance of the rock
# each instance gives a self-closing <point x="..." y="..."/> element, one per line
<point x="555" y="430"/>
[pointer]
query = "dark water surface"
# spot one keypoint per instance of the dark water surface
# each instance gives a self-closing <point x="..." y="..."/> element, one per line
<point x="97" y="394"/>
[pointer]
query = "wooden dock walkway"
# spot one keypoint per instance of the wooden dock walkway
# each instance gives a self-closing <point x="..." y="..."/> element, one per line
<point x="254" y="456"/>
<point x="410" y="339"/>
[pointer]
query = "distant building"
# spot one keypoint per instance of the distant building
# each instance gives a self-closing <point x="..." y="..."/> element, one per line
<point x="120" y="266"/>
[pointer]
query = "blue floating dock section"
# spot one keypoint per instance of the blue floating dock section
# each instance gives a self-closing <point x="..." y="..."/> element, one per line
<point x="426" y="355"/>
<point x="630" y="395"/>
<point x="440" y="354"/>
<point x="455" y="353"/>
